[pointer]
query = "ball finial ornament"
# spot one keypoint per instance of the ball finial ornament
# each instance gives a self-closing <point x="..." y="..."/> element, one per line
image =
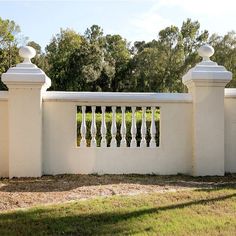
<point x="27" y="53"/>
<point x="206" y="51"/>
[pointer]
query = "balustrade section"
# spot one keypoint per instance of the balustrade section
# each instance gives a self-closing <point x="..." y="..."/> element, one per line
<point x="118" y="126"/>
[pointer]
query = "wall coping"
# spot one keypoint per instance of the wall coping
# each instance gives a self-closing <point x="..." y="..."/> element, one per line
<point x="122" y="97"/>
<point x="230" y="93"/>
<point x="76" y="96"/>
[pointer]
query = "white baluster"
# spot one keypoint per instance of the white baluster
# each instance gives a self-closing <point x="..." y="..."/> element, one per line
<point x="143" y="128"/>
<point x="103" y="129"/>
<point x="93" y="128"/>
<point x="133" y="142"/>
<point x="153" y="129"/>
<point x="83" y="128"/>
<point x="123" y="142"/>
<point x="113" y="128"/>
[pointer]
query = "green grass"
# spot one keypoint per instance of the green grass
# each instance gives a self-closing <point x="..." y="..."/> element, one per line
<point x="189" y="212"/>
<point x="128" y="118"/>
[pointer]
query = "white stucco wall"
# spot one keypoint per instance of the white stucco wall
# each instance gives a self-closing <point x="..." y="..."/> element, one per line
<point x="4" y="139"/>
<point x="61" y="154"/>
<point x="174" y="155"/>
<point x="230" y="130"/>
<point x="38" y="129"/>
<point x="25" y="132"/>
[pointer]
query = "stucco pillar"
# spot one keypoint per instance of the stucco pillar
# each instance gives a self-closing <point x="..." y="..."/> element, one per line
<point x="26" y="84"/>
<point x="206" y="82"/>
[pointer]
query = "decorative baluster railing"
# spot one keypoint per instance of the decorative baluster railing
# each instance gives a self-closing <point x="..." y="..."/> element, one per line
<point x="143" y="128"/>
<point x="133" y="142"/>
<point x="103" y="129"/>
<point x="145" y="141"/>
<point x="93" y="128"/>
<point x="123" y="142"/>
<point x="113" y="128"/>
<point x="114" y="100"/>
<point x="153" y="129"/>
<point x="83" y="142"/>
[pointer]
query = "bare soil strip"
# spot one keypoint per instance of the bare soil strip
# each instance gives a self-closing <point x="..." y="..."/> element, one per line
<point x="27" y="192"/>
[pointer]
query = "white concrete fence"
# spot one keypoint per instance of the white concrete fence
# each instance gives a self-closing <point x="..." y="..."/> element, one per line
<point x="38" y="128"/>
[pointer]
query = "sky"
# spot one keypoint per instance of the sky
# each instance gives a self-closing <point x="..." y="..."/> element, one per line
<point x="134" y="20"/>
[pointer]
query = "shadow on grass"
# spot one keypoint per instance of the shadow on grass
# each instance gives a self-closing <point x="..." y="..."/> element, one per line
<point x="61" y="221"/>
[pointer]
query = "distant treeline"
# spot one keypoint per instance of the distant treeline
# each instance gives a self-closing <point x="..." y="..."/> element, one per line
<point x="97" y="62"/>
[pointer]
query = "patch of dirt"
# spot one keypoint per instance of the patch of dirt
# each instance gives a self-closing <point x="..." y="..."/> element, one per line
<point x="28" y="192"/>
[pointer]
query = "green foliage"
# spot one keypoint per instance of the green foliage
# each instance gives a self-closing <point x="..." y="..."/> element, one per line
<point x="8" y="46"/>
<point x="58" y="53"/>
<point x="89" y="62"/>
<point x="100" y="63"/>
<point x="97" y="62"/>
<point x="117" y="57"/>
<point x="225" y="53"/>
<point x="158" y="66"/>
<point x="106" y="63"/>
<point x="128" y="118"/>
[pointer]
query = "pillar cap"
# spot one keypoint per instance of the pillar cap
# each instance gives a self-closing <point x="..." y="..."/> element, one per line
<point x="26" y="74"/>
<point x="207" y="72"/>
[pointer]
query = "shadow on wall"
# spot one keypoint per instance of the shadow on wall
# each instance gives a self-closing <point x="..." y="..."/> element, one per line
<point x="69" y="182"/>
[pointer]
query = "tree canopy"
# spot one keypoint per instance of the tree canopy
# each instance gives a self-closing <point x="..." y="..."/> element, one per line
<point x="94" y="61"/>
<point x="8" y="46"/>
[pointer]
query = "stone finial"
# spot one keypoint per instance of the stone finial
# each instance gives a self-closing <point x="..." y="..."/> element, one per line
<point x="27" y="53"/>
<point x="26" y="74"/>
<point x="207" y="72"/>
<point x="206" y="51"/>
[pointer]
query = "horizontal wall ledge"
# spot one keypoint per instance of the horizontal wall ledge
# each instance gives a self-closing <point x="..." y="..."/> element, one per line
<point x="230" y="93"/>
<point x="117" y="97"/>
<point x="3" y="95"/>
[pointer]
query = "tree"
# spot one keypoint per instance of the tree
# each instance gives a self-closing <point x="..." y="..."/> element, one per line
<point x="99" y="63"/>
<point x="160" y="64"/>
<point x="94" y="62"/>
<point x="58" y="52"/>
<point x="117" y="56"/>
<point x="8" y="46"/>
<point x="225" y="52"/>
<point x="86" y="63"/>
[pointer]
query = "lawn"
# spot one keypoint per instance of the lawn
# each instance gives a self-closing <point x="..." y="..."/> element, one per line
<point x="179" y="205"/>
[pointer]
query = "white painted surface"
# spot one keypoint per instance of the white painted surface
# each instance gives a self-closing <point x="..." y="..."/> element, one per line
<point x="230" y="130"/>
<point x="206" y="51"/>
<point x="26" y="84"/>
<point x="4" y="137"/>
<point x="206" y="82"/>
<point x="27" y="53"/>
<point x="38" y="129"/>
<point x="133" y="130"/>
<point x="113" y="128"/>
<point x="230" y="93"/>
<point x="117" y="98"/>
<point x="103" y="130"/>
<point x="61" y="154"/>
<point x="3" y="95"/>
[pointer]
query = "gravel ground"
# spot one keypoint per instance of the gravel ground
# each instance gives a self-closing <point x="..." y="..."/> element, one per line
<point x="27" y="192"/>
